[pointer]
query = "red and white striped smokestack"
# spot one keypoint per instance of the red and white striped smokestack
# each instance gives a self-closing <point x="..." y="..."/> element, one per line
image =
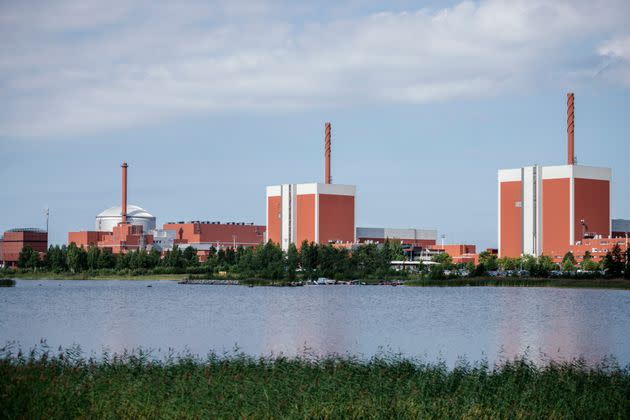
<point x="570" y="128"/>
<point x="327" y="153"/>
<point x="124" y="193"/>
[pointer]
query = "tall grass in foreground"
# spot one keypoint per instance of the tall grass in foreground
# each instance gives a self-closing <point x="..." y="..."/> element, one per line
<point x="65" y="385"/>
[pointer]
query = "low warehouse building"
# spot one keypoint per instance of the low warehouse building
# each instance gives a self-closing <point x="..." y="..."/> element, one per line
<point x="202" y="235"/>
<point x="416" y="237"/>
<point x="15" y="240"/>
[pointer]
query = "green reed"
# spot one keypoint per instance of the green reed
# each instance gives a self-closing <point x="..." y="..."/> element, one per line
<point x="65" y="385"/>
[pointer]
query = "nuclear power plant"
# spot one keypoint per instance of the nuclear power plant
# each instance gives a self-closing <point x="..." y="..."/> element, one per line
<point x="542" y="210"/>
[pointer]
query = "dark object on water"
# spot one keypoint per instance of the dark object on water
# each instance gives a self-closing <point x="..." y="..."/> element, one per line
<point x="148" y="285"/>
<point x="7" y="282"/>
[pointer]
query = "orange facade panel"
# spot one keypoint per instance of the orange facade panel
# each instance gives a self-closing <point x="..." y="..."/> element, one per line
<point x="305" y="229"/>
<point x="511" y="222"/>
<point x="86" y="239"/>
<point x="456" y="250"/>
<point x="592" y="204"/>
<point x="336" y="218"/>
<point x="556" y="215"/>
<point x="274" y="218"/>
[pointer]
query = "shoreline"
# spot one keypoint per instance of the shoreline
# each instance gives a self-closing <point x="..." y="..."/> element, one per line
<point x="611" y="284"/>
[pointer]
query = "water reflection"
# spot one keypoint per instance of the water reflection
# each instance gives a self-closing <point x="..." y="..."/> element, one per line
<point x="430" y="323"/>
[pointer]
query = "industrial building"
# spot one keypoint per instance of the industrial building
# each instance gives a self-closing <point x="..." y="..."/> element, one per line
<point x="547" y="209"/>
<point x="459" y="253"/>
<point x="117" y="230"/>
<point x="314" y="212"/>
<point x="620" y="228"/>
<point x="416" y="237"/>
<point x="204" y="235"/>
<point x="14" y="240"/>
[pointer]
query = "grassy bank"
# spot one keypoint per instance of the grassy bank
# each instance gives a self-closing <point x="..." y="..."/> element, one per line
<point x="87" y="276"/>
<point x="132" y="386"/>
<point x="596" y="283"/>
<point x="526" y="282"/>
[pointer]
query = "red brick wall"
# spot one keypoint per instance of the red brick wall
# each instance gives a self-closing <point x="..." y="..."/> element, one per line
<point x="274" y="221"/>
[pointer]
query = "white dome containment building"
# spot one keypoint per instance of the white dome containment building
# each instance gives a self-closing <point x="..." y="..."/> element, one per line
<point x="111" y="217"/>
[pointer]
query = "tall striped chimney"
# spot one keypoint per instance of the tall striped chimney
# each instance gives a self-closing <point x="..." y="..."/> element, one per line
<point x="124" y="193"/>
<point x="327" y="154"/>
<point x="570" y="128"/>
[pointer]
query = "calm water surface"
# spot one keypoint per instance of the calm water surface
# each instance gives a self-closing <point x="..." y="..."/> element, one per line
<point x="424" y="322"/>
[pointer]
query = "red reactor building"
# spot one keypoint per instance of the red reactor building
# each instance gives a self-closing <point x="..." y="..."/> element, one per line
<point x="315" y="212"/>
<point x="549" y="209"/>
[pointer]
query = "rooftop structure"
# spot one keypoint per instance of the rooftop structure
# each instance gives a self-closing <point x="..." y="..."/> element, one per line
<point x="111" y="217"/>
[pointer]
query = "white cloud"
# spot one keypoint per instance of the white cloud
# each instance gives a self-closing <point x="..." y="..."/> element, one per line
<point x="69" y="68"/>
<point x="617" y="67"/>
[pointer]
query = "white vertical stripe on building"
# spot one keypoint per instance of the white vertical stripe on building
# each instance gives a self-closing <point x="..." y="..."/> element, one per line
<point x="499" y="213"/>
<point x="286" y="216"/>
<point x="528" y="210"/>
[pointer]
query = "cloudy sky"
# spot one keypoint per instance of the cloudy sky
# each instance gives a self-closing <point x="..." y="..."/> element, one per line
<point x="211" y="101"/>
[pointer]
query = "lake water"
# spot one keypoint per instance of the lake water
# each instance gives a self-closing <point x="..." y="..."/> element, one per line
<point x="430" y="323"/>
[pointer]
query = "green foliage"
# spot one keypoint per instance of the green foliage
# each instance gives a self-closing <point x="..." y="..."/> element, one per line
<point x="293" y="260"/>
<point x="613" y="263"/>
<point x="76" y="258"/>
<point x="436" y="272"/>
<point x="507" y="263"/>
<point x="268" y="261"/>
<point x="135" y="385"/>
<point x="587" y="262"/>
<point x="626" y="273"/>
<point x="488" y="260"/>
<point x="568" y="257"/>
<point x="28" y="258"/>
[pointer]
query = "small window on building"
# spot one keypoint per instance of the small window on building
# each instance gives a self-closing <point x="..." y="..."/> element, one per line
<point x="518" y="204"/>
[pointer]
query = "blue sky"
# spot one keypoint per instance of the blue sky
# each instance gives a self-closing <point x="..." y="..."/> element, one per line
<point x="209" y="102"/>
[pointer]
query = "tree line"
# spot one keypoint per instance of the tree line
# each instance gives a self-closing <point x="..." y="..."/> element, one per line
<point x="615" y="264"/>
<point x="269" y="261"/>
